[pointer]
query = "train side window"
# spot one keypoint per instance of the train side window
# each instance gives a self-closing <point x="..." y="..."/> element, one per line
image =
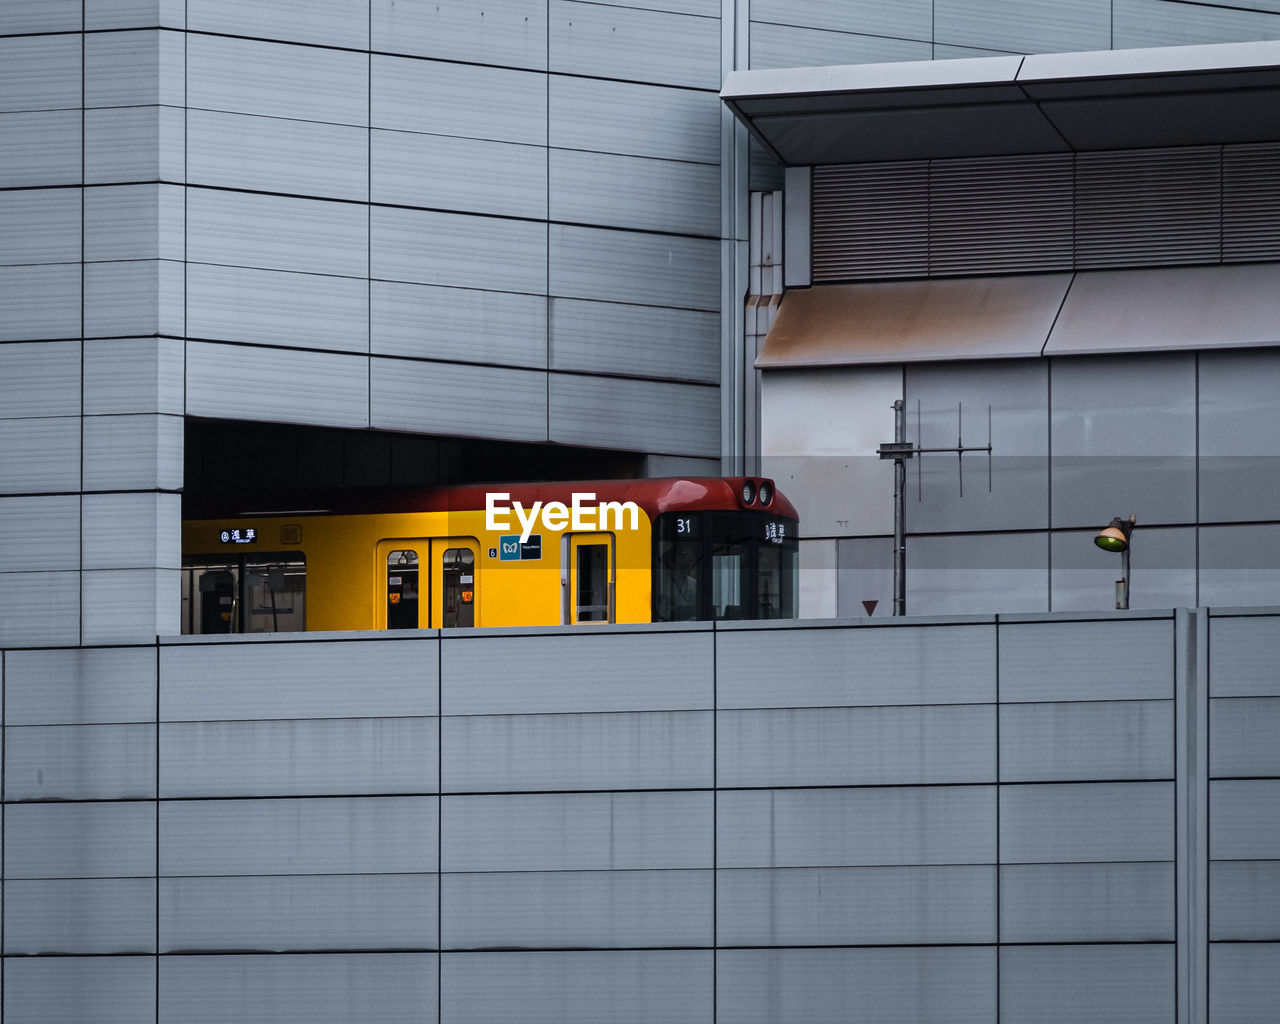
<point x="264" y="594"/>
<point x="402" y="589"/>
<point x="592" y="598"/>
<point x="458" y="566"/>
<point x="275" y="596"/>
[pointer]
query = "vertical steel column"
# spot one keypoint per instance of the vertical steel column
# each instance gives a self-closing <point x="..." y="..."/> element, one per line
<point x="899" y="510"/>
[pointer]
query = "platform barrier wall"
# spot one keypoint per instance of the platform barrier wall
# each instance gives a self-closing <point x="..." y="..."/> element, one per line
<point x="1037" y="818"/>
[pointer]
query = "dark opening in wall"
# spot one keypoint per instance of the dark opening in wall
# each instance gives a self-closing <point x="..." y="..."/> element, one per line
<point x="230" y="463"/>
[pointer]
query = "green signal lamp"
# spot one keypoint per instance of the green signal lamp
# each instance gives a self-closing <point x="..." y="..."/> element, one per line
<point x="1115" y="537"/>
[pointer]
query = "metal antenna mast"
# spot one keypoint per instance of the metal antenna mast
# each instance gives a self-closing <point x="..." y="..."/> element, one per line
<point x="899" y="451"/>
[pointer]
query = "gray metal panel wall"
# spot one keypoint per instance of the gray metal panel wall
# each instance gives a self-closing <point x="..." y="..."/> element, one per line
<point x="567" y="848"/>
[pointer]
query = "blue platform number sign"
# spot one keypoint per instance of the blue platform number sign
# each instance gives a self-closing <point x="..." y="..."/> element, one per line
<point x="512" y="549"/>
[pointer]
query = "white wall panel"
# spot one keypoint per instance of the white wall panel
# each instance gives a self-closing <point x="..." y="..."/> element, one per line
<point x="577" y="987"/>
<point x="250" y="383"/>
<point x="644" y="341"/>
<point x="1085" y="984"/>
<point x="103" y="14"/>
<point x="459" y="99"/>
<point x="136" y="68"/>
<point x="40" y="608"/>
<point x="21" y="16"/>
<point x="1097" y="740"/>
<point x="633" y="44"/>
<point x="128" y="375"/>
<point x="237" y="682"/>
<point x="633" y="414"/>
<point x="634" y="118"/>
<point x="1158" y="23"/>
<point x="633" y="750"/>
<point x="312" y="836"/>
<point x="298" y="912"/>
<point x="445" y="172"/>
<point x="142" y="222"/>
<point x="137" y="297"/>
<point x="109" y="839"/>
<point x="426" y="321"/>
<point x="1087" y="903"/>
<point x="278" y="308"/>
<point x="1244" y="982"/>
<point x="634" y="192"/>
<point x="129" y="605"/>
<point x="59" y="990"/>
<point x="441" y="398"/>
<point x="248" y="76"/>
<point x="40" y="226"/>
<point x="132" y="453"/>
<point x="1087" y="822"/>
<point x="896" y="825"/>
<point x="974" y="574"/>
<point x="323" y="22"/>
<point x="40" y="147"/>
<point x="275" y="154"/>
<point x="40" y="72"/>
<point x="789" y="668"/>
<point x="40" y="379"/>
<point x="80" y="686"/>
<point x="40" y="534"/>
<point x="126" y="531"/>
<point x="512" y="34"/>
<point x="323" y="757"/>
<point x="576" y="831"/>
<point x="833" y="986"/>
<point x="1241" y="655"/>
<point x="134" y="144"/>
<point x="277" y="233"/>
<point x="39" y="455"/>
<point x="1024" y="26"/>
<point x="73" y="915"/>
<point x="567" y="909"/>
<point x="1108" y="660"/>
<point x="785" y="46"/>
<point x="910" y="19"/>
<point x="856" y="746"/>
<point x="627" y="266"/>
<point x="1242" y="736"/>
<point x="80" y="762"/>
<point x="426" y="247"/>
<point x="1244" y="900"/>
<point x="629" y="672"/>
<point x="318" y="988"/>
<point x="878" y="906"/>
<point x="1244" y="819"/>
<point x="39" y="302"/>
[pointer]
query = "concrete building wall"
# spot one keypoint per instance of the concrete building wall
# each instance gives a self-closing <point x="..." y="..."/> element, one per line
<point x="980" y="819"/>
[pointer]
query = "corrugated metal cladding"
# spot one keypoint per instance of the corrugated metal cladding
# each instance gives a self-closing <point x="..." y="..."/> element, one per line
<point x="1061" y="211"/>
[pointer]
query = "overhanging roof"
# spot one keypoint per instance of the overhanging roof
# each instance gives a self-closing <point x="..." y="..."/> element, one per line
<point x="988" y="106"/>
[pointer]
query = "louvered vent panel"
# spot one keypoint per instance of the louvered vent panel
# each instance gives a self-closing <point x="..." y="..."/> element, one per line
<point x="870" y="221"/>
<point x="1000" y="215"/>
<point x="1251" y="202"/>
<point x="1148" y="208"/>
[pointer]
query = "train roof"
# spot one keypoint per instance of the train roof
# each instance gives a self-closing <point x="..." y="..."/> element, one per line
<point x="655" y="496"/>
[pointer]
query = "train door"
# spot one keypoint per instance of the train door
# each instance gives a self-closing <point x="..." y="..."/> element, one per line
<point x="399" y="604"/>
<point x="589" y="573"/>
<point x="455" y="592"/>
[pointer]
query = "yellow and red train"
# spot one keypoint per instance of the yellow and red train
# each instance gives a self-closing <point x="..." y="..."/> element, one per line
<point x="499" y="555"/>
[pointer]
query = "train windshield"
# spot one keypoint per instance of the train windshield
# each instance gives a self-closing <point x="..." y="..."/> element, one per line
<point x="724" y="565"/>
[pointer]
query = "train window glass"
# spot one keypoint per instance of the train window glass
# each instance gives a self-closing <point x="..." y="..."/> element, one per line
<point x="728" y="567"/>
<point x="776" y="582"/>
<point x="274" y="596"/>
<point x="459" y="595"/>
<point x="677" y="589"/>
<point x="214" y="600"/>
<point x="592" y="598"/>
<point x="402" y="589"/>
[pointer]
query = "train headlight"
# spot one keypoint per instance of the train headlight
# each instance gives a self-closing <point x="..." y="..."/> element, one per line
<point x="748" y="491"/>
<point x="765" y="493"/>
